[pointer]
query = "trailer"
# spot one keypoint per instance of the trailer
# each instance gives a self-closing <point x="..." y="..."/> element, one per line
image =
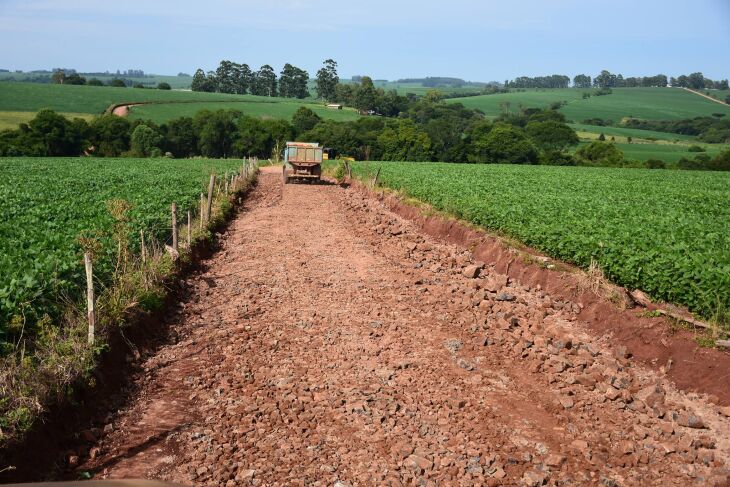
<point x="302" y="162"/>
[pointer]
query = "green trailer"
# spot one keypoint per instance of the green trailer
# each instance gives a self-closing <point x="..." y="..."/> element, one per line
<point x="302" y="162"/>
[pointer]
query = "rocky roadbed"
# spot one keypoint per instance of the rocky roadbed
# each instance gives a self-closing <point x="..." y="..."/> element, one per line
<point x="331" y="343"/>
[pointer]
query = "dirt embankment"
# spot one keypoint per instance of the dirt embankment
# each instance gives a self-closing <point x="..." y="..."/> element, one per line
<point x="123" y="110"/>
<point x="332" y="342"/>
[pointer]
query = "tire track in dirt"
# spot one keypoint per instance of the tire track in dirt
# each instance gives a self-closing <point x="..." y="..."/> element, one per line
<point x="329" y="341"/>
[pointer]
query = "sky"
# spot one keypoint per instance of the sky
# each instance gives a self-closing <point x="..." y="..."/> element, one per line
<point x="477" y="40"/>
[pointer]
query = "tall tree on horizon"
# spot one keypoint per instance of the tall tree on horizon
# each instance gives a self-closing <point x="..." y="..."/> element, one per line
<point x="327" y="80"/>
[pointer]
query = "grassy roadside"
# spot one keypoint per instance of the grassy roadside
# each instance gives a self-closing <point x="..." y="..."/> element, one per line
<point x="62" y="360"/>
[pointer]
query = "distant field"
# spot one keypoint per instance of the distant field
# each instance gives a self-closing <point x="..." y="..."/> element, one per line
<point x="261" y="108"/>
<point x="669" y="153"/>
<point x="151" y="80"/>
<point x="631" y="132"/>
<point x="11" y="120"/>
<point x="93" y="100"/>
<point x="666" y="232"/>
<point x="646" y="103"/>
<point x="417" y="88"/>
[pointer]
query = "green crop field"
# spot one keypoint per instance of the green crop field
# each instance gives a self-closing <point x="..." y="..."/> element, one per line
<point x="669" y="153"/>
<point x="11" y="120"/>
<point x="93" y="100"/>
<point x="261" y="107"/>
<point x="624" y="132"/>
<point x="645" y="103"/>
<point x="666" y="232"/>
<point x="48" y="203"/>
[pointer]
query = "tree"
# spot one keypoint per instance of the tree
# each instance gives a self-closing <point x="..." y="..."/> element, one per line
<point x="163" y="86"/>
<point x="327" y="80"/>
<point x="304" y="119"/>
<point x="293" y="82"/>
<point x="58" y="77"/>
<point x="402" y="141"/>
<point x="55" y="134"/>
<point x="75" y="79"/>
<point x="252" y="139"/>
<point x="180" y="137"/>
<point x="138" y="85"/>
<point x="110" y="135"/>
<point x="655" y="164"/>
<point x="605" y="80"/>
<point x="696" y="81"/>
<point x="117" y="83"/>
<point x="226" y="76"/>
<point x="722" y="85"/>
<point x="601" y="137"/>
<point x="95" y="82"/>
<point x="243" y="78"/>
<point x="721" y="162"/>
<point x="145" y="141"/>
<point x="365" y="96"/>
<point x="203" y="82"/>
<point x="552" y="135"/>
<point x="345" y="93"/>
<point x="198" y="80"/>
<point x="600" y="154"/>
<point x="505" y="144"/>
<point x="216" y="132"/>
<point x="582" y="81"/>
<point x="265" y="81"/>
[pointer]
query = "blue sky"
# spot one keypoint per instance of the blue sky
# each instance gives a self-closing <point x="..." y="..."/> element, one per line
<point x="472" y="39"/>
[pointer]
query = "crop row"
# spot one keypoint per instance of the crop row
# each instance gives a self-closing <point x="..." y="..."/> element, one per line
<point x="667" y="233"/>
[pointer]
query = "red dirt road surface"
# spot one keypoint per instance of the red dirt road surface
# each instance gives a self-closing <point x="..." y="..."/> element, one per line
<point x="331" y="343"/>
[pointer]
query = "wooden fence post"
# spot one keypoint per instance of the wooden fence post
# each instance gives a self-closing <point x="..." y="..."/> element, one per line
<point x="211" y="187"/>
<point x="143" y="247"/>
<point x="375" y="179"/>
<point x="190" y="223"/>
<point x="90" y="311"/>
<point x="202" y="210"/>
<point x="174" y="227"/>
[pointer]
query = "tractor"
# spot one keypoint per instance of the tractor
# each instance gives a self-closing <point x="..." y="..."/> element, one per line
<point x="302" y="162"/>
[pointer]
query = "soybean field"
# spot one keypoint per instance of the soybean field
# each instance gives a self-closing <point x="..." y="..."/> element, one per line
<point x="665" y="232"/>
<point x="48" y="204"/>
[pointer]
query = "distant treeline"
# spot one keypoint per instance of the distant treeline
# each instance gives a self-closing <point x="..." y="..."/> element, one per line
<point x="441" y="81"/>
<point x="239" y="78"/>
<point x="606" y="79"/>
<point x="428" y="130"/>
<point x="72" y="76"/>
<point x="713" y="130"/>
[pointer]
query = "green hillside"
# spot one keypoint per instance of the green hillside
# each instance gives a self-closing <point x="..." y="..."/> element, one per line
<point x="16" y="98"/>
<point x="645" y="103"/>
<point x="262" y="107"/>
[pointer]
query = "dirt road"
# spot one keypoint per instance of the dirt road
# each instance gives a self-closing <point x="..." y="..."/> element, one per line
<point x="706" y="96"/>
<point x="329" y="343"/>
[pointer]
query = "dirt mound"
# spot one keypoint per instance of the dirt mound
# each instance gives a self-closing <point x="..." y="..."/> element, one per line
<point x="331" y="342"/>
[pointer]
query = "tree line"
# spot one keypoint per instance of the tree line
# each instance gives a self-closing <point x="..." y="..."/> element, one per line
<point x="428" y="130"/>
<point x="61" y="77"/>
<point x="606" y="79"/>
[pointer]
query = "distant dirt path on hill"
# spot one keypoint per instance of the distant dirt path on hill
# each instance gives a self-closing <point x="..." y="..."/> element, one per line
<point x="331" y="343"/>
<point x="708" y="97"/>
